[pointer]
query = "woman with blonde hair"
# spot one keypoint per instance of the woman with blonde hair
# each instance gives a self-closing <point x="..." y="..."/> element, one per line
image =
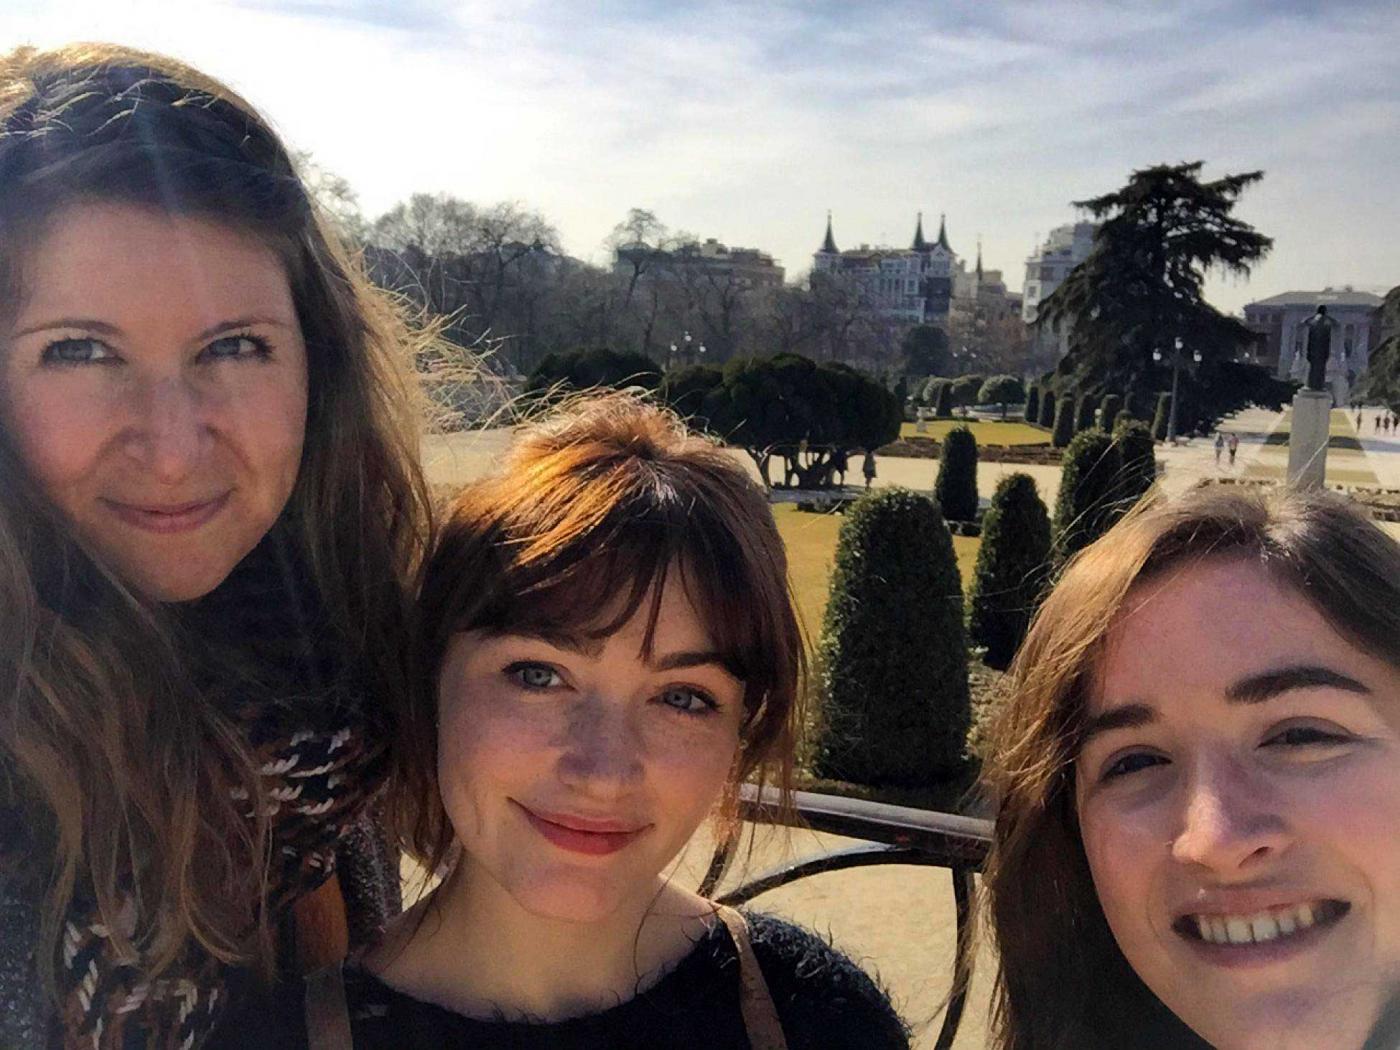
<point x="210" y="513"/>
<point x="1197" y="785"/>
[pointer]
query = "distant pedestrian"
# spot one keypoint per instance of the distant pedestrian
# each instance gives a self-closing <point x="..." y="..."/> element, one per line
<point x="1234" y="447"/>
<point x="868" y="467"/>
<point x="1219" y="446"/>
<point x="1378" y="424"/>
<point x="839" y="465"/>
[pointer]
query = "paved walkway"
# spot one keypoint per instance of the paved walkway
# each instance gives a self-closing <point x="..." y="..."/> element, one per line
<point x="1382" y="449"/>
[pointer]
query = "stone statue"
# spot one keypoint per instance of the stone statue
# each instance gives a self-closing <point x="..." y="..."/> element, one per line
<point x="1319" y="327"/>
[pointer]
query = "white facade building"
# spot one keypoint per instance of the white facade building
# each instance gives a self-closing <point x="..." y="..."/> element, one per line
<point x="1279" y="322"/>
<point x="1046" y="269"/>
<point x="911" y="286"/>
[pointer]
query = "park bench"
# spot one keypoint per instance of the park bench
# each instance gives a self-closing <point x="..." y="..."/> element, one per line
<point x="890" y="835"/>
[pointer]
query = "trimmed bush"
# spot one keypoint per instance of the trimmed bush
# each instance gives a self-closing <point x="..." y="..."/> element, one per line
<point x="1123" y="416"/>
<point x="1084" y="412"/>
<point x="1012" y="567"/>
<point x="1084" y="509"/>
<point x="1064" y="422"/>
<point x="1047" y="409"/>
<point x="1161" y="418"/>
<point x="1001" y="390"/>
<point x="1032" y="410"/>
<point x="966" y="389"/>
<point x="1108" y="411"/>
<point x="893" y="652"/>
<point x="943" y="405"/>
<point x="929" y="394"/>
<point x="1137" y="462"/>
<point x="955" y="490"/>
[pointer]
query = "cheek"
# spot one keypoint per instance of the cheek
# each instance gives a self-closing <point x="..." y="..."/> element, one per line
<point x="60" y="435"/>
<point x="1122" y="851"/>
<point x="691" y="770"/>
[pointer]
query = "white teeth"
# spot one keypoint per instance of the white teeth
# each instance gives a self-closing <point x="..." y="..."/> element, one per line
<point x="1264" y="927"/>
<point x="1257" y="928"/>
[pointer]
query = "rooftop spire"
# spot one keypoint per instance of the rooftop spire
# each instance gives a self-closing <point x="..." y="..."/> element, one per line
<point x="943" y="231"/>
<point x="829" y="245"/>
<point x="920" y="245"/>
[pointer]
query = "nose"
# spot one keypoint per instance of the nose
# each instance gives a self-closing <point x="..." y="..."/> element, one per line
<point x="1231" y="822"/>
<point x="170" y="433"/>
<point x="603" y="754"/>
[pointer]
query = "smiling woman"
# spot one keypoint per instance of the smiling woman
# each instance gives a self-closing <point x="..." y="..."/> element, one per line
<point x="210" y="513"/>
<point x="1197" y="776"/>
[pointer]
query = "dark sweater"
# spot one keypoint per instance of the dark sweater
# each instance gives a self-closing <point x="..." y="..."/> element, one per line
<point x="824" y="1000"/>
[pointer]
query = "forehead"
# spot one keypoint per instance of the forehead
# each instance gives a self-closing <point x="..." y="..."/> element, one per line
<point x="119" y="259"/>
<point x="1202" y="627"/>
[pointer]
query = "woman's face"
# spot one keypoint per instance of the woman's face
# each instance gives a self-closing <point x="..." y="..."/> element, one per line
<point x="574" y="770"/>
<point x="154" y="381"/>
<point x="1239" y="800"/>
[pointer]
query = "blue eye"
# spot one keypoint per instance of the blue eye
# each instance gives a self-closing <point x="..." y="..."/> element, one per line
<point x="77" y="352"/>
<point x="1133" y="763"/>
<point x="535" y="676"/>
<point x="238" y="347"/>
<point x="687" y="700"/>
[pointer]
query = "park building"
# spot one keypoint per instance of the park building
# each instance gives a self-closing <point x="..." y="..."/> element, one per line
<point x="984" y="317"/>
<point x="1046" y="269"/>
<point x="709" y="260"/>
<point x="911" y="285"/>
<point x="1278" y="322"/>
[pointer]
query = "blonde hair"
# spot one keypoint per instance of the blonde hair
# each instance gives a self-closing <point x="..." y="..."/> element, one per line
<point x="126" y="775"/>
<point x="1062" y="982"/>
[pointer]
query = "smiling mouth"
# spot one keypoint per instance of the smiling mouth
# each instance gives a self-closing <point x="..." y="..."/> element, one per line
<point x="579" y="835"/>
<point x="171" y="517"/>
<point x="1261" y="927"/>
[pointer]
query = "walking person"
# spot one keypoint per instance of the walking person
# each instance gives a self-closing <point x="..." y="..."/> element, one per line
<point x="1219" y="446"/>
<point x="868" y="467"/>
<point x="1234" y="447"/>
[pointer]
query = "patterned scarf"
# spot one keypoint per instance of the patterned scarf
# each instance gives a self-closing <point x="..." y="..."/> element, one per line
<point x="321" y="746"/>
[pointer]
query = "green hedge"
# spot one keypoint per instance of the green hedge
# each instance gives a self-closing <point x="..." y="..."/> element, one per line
<point x="1012" y="567"/>
<point x="955" y="490"/>
<point x="1064" y="422"/>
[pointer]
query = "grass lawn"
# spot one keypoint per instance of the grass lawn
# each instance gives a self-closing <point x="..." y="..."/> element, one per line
<point x="811" y="549"/>
<point x="987" y="432"/>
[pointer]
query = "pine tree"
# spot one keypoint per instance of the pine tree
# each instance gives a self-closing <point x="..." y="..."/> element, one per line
<point x="1064" y="422"/>
<point x="955" y="490"/>
<point x="1012" y="567"/>
<point x="893" y="652"/>
<point x="1085" y="507"/>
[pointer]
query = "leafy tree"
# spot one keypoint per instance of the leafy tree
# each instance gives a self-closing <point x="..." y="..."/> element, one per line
<point x="955" y="489"/>
<point x="894" y="589"/>
<point x="1064" y="422"/>
<point x="924" y="351"/>
<point x="1142" y="285"/>
<point x="1047" y="408"/>
<point x="965" y="390"/>
<point x="943" y="406"/>
<point x="600" y="367"/>
<point x="1012" y="568"/>
<point x="1001" y="390"/>
<point x="1085" y="507"/>
<point x="1137" y="461"/>
<point x="1084" y="410"/>
<point x="688" y="390"/>
<point x="1108" y="411"/>
<point x="1161" y="417"/>
<point x="1032" y="410"/>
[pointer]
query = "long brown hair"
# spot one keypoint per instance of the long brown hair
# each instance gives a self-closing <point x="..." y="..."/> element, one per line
<point x="128" y="778"/>
<point x="595" y="506"/>
<point x="1063" y="983"/>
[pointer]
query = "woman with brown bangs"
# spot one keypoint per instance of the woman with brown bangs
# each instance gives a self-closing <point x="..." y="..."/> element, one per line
<point x="611" y="650"/>
<point x="1197" y="781"/>
<point x="209" y="514"/>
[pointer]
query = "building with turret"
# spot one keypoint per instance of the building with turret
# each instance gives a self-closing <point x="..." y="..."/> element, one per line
<point x="909" y="285"/>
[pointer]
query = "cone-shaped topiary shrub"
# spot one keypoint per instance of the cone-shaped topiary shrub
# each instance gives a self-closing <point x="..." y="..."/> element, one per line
<point x="1120" y="418"/>
<point x="1064" y="422"/>
<point x="1084" y="509"/>
<point x="1137" y="462"/>
<point x="1032" y="413"/>
<point x="943" y="405"/>
<point x="955" y="491"/>
<point x="1012" y="566"/>
<point x="1108" y="409"/>
<point x="1084" y="412"/>
<point x="1162" y="417"/>
<point x="893" y="653"/>
<point x="1047" y="409"/>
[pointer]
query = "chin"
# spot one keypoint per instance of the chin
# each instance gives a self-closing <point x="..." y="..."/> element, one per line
<point x="571" y="898"/>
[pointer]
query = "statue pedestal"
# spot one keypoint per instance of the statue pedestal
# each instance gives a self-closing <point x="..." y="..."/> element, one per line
<point x="1307" y="438"/>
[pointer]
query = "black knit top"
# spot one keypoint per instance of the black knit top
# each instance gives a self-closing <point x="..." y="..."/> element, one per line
<point x="824" y="1001"/>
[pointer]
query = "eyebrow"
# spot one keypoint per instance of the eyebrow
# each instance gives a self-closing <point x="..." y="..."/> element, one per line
<point x="1255" y="689"/>
<point x="89" y="324"/>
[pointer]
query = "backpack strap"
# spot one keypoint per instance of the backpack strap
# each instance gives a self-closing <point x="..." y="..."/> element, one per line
<point x="755" y="1001"/>
<point x="327" y="1013"/>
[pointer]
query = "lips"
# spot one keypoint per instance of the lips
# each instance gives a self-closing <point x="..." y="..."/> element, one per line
<point x="586" y="835"/>
<point x="166" y="518"/>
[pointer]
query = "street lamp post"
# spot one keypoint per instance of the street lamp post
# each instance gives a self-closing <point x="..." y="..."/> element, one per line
<point x="1176" y="382"/>
<point x="685" y="350"/>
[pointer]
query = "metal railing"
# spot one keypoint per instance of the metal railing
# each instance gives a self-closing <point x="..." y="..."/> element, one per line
<point x="891" y="835"/>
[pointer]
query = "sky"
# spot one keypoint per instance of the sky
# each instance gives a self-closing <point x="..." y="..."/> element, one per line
<point x="747" y="122"/>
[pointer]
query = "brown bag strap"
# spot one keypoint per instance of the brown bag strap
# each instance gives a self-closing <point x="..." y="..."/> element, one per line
<point x="755" y="1001"/>
<point x="327" y="1013"/>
